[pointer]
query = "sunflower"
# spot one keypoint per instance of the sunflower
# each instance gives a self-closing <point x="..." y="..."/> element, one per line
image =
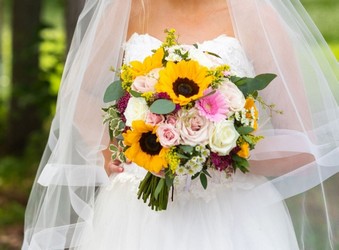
<point x="184" y="81"/>
<point x="144" y="147"/>
<point x="151" y="62"/>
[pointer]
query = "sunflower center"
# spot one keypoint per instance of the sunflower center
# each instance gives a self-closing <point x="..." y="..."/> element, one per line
<point x="185" y="87"/>
<point x="148" y="143"/>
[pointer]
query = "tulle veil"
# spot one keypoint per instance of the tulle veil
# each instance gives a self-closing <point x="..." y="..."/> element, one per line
<point x="278" y="37"/>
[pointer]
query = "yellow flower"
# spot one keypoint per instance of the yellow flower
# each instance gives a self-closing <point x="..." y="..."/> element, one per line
<point x="244" y="151"/>
<point x="144" y="147"/>
<point x="151" y="62"/>
<point x="250" y="104"/>
<point x="184" y="81"/>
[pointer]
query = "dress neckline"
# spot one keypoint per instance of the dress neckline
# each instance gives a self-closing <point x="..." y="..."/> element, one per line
<point x="146" y="35"/>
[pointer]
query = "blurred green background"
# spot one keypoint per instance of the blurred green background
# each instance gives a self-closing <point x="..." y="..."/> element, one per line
<point x="29" y="83"/>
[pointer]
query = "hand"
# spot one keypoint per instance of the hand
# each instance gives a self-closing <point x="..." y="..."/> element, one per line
<point x="114" y="167"/>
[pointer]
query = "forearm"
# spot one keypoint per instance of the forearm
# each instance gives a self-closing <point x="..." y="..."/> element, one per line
<point x="280" y="166"/>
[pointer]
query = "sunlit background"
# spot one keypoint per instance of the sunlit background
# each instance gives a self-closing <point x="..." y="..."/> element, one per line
<point x="29" y="81"/>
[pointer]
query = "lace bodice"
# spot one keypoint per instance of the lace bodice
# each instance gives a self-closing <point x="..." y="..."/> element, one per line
<point x="231" y="52"/>
<point x="228" y="48"/>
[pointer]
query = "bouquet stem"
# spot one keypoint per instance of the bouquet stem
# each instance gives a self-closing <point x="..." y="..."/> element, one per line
<point x="155" y="190"/>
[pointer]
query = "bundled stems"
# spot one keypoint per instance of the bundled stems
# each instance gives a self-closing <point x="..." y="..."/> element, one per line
<point x="155" y="190"/>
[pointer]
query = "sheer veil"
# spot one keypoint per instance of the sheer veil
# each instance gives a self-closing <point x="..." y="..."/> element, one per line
<point x="278" y="37"/>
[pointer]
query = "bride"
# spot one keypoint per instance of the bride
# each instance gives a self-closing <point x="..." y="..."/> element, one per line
<point x="74" y="205"/>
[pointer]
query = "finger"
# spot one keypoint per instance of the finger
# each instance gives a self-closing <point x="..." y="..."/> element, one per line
<point x="116" y="168"/>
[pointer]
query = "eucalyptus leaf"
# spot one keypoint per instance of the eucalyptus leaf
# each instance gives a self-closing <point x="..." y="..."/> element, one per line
<point x="245" y="130"/>
<point x="114" y="92"/>
<point x="186" y="148"/>
<point x="162" y="107"/>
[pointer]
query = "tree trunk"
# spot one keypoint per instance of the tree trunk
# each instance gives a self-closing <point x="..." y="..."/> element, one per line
<point x="73" y="10"/>
<point x="24" y="117"/>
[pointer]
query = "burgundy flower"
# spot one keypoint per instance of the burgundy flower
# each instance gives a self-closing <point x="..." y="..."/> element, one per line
<point x="122" y="104"/>
<point x="221" y="162"/>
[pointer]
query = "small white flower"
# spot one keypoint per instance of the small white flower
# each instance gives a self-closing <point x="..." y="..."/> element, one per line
<point x="181" y="171"/>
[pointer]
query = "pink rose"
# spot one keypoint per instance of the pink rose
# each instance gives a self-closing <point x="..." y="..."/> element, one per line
<point x="171" y="119"/>
<point x="154" y="119"/>
<point x="146" y="83"/>
<point x="193" y="128"/>
<point x="234" y="97"/>
<point x="168" y="135"/>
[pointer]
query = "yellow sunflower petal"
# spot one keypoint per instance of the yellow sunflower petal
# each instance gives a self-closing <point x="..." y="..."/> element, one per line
<point x="190" y="75"/>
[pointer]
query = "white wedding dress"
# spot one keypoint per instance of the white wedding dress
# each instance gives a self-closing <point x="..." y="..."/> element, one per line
<point x="228" y="215"/>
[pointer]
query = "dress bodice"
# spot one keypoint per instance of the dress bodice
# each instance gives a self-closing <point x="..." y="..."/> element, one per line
<point x="228" y="48"/>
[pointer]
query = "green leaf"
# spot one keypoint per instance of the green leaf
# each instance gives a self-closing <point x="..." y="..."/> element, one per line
<point x="186" y="148"/>
<point x="159" y="188"/>
<point x="135" y="93"/>
<point x="212" y="54"/>
<point x="263" y="80"/>
<point x="114" y="92"/>
<point x="203" y="180"/>
<point x="249" y="86"/>
<point x="240" y="163"/>
<point x="169" y="180"/>
<point x="245" y="130"/>
<point x="182" y="156"/>
<point x="113" y="148"/>
<point x="195" y="176"/>
<point x="207" y="173"/>
<point x="162" y="107"/>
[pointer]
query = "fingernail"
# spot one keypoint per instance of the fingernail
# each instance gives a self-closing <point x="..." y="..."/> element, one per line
<point x="121" y="169"/>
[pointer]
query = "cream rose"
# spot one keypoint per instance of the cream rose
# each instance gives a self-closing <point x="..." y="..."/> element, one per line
<point x="137" y="109"/>
<point x="193" y="128"/>
<point x="223" y="137"/>
<point x="233" y="96"/>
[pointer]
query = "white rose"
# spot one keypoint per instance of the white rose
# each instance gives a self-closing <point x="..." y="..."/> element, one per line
<point x="193" y="128"/>
<point x="204" y="58"/>
<point x="233" y="96"/>
<point x="137" y="109"/>
<point x="223" y="137"/>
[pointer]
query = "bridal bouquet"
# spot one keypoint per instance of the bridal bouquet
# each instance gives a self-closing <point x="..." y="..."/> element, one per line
<point x="182" y="112"/>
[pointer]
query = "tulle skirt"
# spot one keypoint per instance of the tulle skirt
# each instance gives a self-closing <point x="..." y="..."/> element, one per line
<point x="224" y="216"/>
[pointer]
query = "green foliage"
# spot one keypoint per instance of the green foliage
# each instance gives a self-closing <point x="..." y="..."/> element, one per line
<point x="162" y="106"/>
<point x="114" y="92"/>
<point x="11" y="213"/>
